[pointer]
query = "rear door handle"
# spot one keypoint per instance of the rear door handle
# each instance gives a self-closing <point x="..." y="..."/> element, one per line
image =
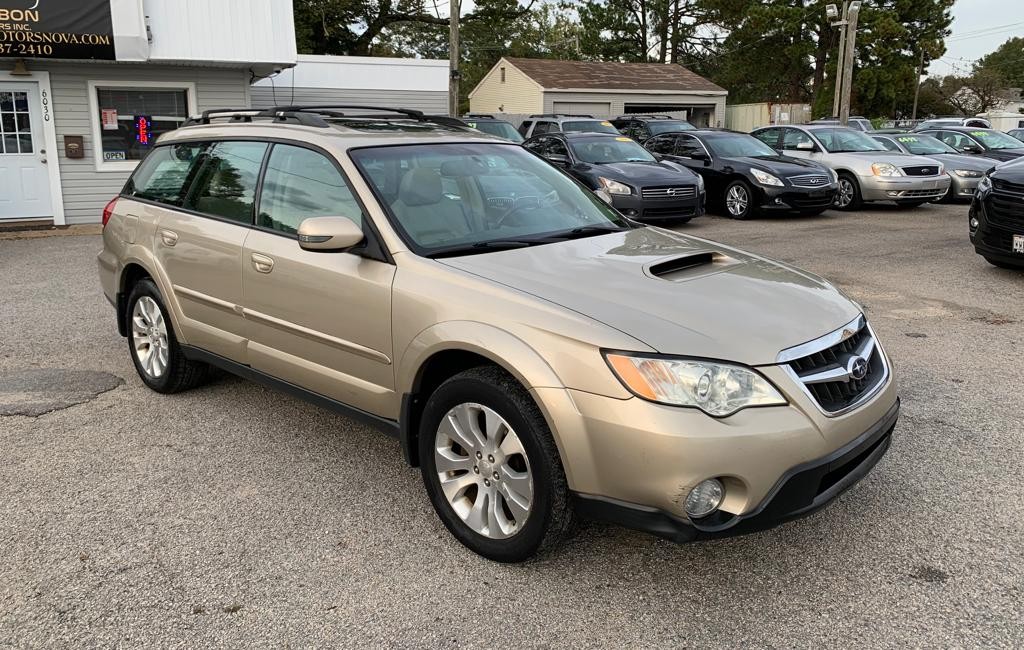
<point x="262" y="263"/>
<point x="169" y="237"/>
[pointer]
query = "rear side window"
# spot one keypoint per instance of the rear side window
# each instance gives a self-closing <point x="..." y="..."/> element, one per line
<point x="166" y="173"/>
<point x="769" y="136"/>
<point x="888" y="144"/>
<point x="299" y="184"/>
<point x="524" y="128"/>
<point x="225" y="185"/>
<point x="664" y="144"/>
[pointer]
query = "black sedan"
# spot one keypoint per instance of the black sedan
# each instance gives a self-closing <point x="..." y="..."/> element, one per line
<point x="747" y="177"/>
<point x="625" y="175"/>
<point x="979" y="142"/>
<point x="996" y="219"/>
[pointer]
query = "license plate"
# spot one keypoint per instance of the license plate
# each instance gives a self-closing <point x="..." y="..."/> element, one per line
<point x="1018" y="243"/>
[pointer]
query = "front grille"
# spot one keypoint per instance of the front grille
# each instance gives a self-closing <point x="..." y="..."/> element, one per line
<point x="832" y="375"/>
<point x="922" y="170"/>
<point x="669" y="192"/>
<point x="1007" y="186"/>
<point x="921" y="194"/>
<point x="810" y="202"/>
<point x="810" y="180"/>
<point x="1006" y="210"/>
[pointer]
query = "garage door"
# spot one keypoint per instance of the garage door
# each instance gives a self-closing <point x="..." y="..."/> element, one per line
<point x="597" y="109"/>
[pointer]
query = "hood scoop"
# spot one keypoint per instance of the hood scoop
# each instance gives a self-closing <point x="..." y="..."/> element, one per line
<point x="690" y="265"/>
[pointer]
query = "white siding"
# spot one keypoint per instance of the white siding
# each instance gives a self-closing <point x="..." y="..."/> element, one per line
<point x="427" y="101"/>
<point x="363" y="73"/>
<point x="518" y="94"/>
<point x="226" y="31"/>
<point x="86" y="190"/>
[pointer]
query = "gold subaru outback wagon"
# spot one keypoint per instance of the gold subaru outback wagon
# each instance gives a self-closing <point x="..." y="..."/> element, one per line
<point x="537" y="355"/>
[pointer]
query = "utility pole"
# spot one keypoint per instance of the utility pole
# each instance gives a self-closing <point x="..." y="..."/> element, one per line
<point x="917" y="85"/>
<point x="847" y="49"/>
<point x="453" y="57"/>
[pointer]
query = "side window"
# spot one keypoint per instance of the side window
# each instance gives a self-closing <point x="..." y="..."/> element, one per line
<point x="537" y="145"/>
<point x="301" y="183"/>
<point x="225" y="185"/>
<point x="687" y="145"/>
<point x="542" y="127"/>
<point x="888" y="144"/>
<point x="949" y="137"/>
<point x="663" y="144"/>
<point x="166" y="173"/>
<point x="769" y="136"/>
<point x="793" y="138"/>
<point x="556" y="148"/>
<point x="524" y="128"/>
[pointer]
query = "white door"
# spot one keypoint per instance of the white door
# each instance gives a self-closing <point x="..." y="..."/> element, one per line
<point x="24" y="181"/>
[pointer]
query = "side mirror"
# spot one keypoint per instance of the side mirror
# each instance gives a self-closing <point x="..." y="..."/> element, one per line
<point x="805" y="146"/>
<point x="971" y="148"/>
<point x="700" y="155"/>
<point x="329" y="234"/>
<point x="558" y="159"/>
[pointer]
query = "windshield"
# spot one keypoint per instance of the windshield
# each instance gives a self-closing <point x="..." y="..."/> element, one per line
<point x="448" y="197"/>
<point x="588" y="126"/>
<point x="500" y="129"/>
<point x="842" y="140"/>
<point x="738" y="144"/>
<point x="996" y="140"/>
<point x="923" y="145"/>
<point x="669" y="126"/>
<point x="609" y="150"/>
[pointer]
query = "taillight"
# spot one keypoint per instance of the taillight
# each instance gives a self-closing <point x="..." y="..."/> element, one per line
<point x="109" y="210"/>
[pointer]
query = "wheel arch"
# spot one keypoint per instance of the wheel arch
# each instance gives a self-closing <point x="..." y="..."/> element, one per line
<point x="134" y="268"/>
<point x="446" y="349"/>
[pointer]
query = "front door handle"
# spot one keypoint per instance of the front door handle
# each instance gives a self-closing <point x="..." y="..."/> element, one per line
<point x="262" y="263"/>
<point x="169" y="237"/>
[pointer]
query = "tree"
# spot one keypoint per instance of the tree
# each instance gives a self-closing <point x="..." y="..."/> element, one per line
<point x="662" y="31"/>
<point x="1007" y="61"/>
<point x="983" y="90"/>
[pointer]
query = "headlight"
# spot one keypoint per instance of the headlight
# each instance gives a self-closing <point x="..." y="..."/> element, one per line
<point x="700" y="183"/>
<point x="764" y="178"/>
<point x="968" y="173"/>
<point x="886" y="169"/>
<point x="718" y="389"/>
<point x="985" y="184"/>
<point x="614" y="187"/>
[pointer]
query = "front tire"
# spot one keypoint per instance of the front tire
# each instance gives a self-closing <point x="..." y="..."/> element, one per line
<point x="739" y="200"/>
<point x="154" y="348"/>
<point x="849" y="197"/>
<point x="491" y="467"/>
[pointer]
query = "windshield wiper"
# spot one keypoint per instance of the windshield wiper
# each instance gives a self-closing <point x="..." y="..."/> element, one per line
<point x="587" y="231"/>
<point x="484" y="247"/>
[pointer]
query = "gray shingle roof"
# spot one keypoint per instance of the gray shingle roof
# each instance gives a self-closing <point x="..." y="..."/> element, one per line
<point x="554" y="74"/>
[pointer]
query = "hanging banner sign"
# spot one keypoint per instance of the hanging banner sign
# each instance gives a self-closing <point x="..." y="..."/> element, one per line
<point x="108" y="117"/>
<point x="56" y="29"/>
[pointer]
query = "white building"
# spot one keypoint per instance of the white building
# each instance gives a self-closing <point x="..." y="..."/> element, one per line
<point x="87" y="85"/>
<point x="420" y="84"/>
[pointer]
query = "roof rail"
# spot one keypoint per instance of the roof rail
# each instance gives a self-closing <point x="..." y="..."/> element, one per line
<point x="480" y="116"/>
<point x="562" y="115"/>
<point x="248" y="114"/>
<point x="648" y="116"/>
<point x="336" y="111"/>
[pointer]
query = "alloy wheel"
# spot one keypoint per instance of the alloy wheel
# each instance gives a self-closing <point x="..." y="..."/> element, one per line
<point x="149" y="337"/>
<point x="736" y="200"/>
<point x="846" y="190"/>
<point x="483" y="470"/>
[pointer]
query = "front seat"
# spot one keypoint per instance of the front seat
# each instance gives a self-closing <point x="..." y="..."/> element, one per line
<point x="430" y="217"/>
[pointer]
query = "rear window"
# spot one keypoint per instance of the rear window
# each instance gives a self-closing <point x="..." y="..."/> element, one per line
<point x="588" y="126"/>
<point x="165" y="174"/>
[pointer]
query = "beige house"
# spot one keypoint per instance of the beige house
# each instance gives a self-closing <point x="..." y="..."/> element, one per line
<point x="523" y="86"/>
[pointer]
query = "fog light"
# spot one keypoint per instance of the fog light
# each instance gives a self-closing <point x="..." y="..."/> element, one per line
<point x="974" y="223"/>
<point x="893" y="193"/>
<point x="705" y="498"/>
<point x="631" y="213"/>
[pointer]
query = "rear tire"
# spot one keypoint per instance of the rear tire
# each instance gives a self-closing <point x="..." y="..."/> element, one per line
<point x="505" y="495"/>
<point x="849" y="197"/>
<point x="154" y="348"/>
<point x="738" y="200"/>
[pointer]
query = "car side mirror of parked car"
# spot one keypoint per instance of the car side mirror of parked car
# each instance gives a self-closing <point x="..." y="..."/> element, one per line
<point x="701" y="156"/>
<point x="329" y="234"/>
<point x="558" y="159"/>
<point x="805" y="146"/>
<point x="971" y="148"/>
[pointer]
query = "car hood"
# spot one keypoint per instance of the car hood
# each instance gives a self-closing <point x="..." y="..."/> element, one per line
<point x="644" y="173"/>
<point x="735" y="306"/>
<point x="960" y="161"/>
<point x="782" y="166"/>
<point x="862" y="160"/>
<point x="1004" y="154"/>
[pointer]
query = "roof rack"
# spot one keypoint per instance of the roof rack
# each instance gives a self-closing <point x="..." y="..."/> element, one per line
<point x="562" y="115"/>
<point x="479" y="116"/>
<point x="336" y="111"/>
<point x="647" y="116"/>
<point x="247" y="115"/>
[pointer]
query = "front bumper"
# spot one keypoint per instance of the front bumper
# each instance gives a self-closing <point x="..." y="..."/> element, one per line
<point x="993" y="238"/>
<point x="963" y="188"/>
<point x="647" y="210"/>
<point x="903" y="188"/>
<point x="801" y="491"/>
<point x="796" y="199"/>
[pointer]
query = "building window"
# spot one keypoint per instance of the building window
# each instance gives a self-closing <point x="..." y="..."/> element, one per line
<point x="128" y="117"/>
<point x="503" y="75"/>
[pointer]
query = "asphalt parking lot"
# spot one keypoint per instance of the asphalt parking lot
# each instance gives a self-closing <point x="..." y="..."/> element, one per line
<point x="235" y="515"/>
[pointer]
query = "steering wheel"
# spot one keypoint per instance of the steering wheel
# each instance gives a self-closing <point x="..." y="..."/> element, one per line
<point x="518" y="205"/>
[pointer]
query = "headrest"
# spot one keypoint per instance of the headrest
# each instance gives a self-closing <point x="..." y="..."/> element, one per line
<point x="464" y="167"/>
<point x="421" y="186"/>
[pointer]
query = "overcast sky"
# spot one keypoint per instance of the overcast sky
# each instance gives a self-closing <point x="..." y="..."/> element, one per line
<point x="979" y="26"/>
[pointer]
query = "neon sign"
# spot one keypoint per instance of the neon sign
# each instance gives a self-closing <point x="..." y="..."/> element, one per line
<point x="143" y="129"/>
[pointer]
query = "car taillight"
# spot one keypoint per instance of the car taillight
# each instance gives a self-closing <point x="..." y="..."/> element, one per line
<point x="109" y="210"/>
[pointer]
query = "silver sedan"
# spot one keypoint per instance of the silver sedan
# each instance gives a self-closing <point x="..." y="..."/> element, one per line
<point x="965" y="172"/>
